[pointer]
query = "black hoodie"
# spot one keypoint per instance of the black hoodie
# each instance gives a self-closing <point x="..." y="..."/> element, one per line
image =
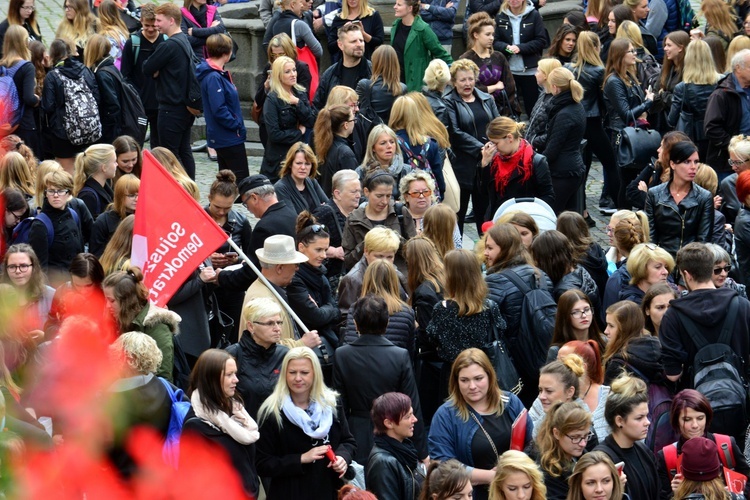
<point x="707" y="308"/>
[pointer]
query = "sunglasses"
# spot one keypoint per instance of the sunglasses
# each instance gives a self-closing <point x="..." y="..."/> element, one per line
<point x="718" y="270"/>
<point x="425" y="193"/>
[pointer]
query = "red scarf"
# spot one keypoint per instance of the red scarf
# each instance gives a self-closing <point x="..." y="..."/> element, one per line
<point x="503" y="167"/>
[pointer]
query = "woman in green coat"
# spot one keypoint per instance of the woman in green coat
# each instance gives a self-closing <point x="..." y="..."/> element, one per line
<point x="415" y="43"/>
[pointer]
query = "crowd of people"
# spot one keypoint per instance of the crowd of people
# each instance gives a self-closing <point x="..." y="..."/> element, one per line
<point x="370" y="348"/>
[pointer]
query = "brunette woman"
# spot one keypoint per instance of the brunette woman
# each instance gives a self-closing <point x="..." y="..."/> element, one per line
<point x="15" y="173"/>
<point x="516" y="170"/>
<point x="588" y="253"/>
<point x="440" y="227"/>
<point x="426" y="280"/>
<point x="78" y="25"/>
<point x="563" y="45"/>
<point x="199" y="22"/>
<point x="617" y="15"/>
<point x="16" y="55"/>
<point x="21" y="13"/>
<point x="124" y="203"/>
<point x="690" y="98"/>
<point x="447" y="480"/>
<point x="112" y="27"/>
<point x="654" y="304"/>
<point x="595" y="477"/>
<point x="380" y="90"/>
<point x="521" y="34"/>
<point x="16" y="210"/>
<point x="494" y="77"/>
<point x="218" y="415"/>
<point x="287" y="114"/>
<point x="504" y="251"/>
<point x="680" y="203"/>
<point x="470" y="111"/>
<point x="129" y="160"/>
<point x="299" y="423"/>
<point x="561" y="440"/>
<point x="655" y="173"/>
<point x="517" y="476"/>
<point x="332" y="128"/>
<point x="627" y="415"/>
<point x="371" y="26"/>
<point x="298" y="186"/>
<point x="720" y="20"/>
<point x="415" y="43"/>
<point x="474" y="425"/>
<point x="675" y="45"/>
<point x="588" y="69"/>
<point x="624" y="99"/>
<point x="108" y="80"/>
<point x="629" y="346"/>
<point x="574" y="321"/>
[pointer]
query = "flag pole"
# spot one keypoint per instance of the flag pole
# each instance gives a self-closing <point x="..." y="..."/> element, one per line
<point x="268" y="285"/>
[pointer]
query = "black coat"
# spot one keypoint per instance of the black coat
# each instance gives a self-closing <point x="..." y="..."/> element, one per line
<point x="466" y="140"/>
<point x="241" y="455"/>
<point x="282" y="121"/>
<point x="102" y="231"/>
<point x="303" y="78"/>
<point x="673" y="226"/>
<point x="578" y="279"/>
<point x="98" y="200"/>
<point x="287" y="191"/>
<point x="642" y="487"/>
<point x="591" y="79"/>
<point x="539" y="185"/>
<point x="437" y="103"/>
<point x="331" y="217"/>
<point x="400" y="330"/>
<point x="533" y="37"/>
<point x="624" y="104"/>
<point x="332" y="77"/>
<point x="339" y="157"/>
<point x="67" y="243"/>
<point x="110" y="98"/>
<point x="279" y="452"/>
<point x="53" y="95"/>
<point x="651" y="175"/>
<point x="423" y="300"/>
<point x="279" y="218"/>
<point x="565" y="130"/>
<point x="387" y="478"/>
<point x="595" y="262"/>
<point x="689" y="101"/>
<point x="388" y="369"/>
<point x="722" y="122"/>
<point x="257" y="370"/>
<point x="644" y="361"/>
<point x="742" y="243"/>
<point x="322" y="315"/>
<point x="381" y="98"/>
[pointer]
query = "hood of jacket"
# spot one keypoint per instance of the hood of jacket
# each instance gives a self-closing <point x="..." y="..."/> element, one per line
<point x="707" y="308"/>
<point x="644" y="354"/>
<point x="529" y="7"/>
<point x="156" y="315"/>
<point x="71" y="67"/>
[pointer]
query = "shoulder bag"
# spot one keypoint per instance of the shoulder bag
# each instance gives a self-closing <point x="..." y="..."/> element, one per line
<point x="634" y="146"/>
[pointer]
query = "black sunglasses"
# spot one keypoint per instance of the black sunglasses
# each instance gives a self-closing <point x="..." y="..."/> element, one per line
<point x="718" y="270"/>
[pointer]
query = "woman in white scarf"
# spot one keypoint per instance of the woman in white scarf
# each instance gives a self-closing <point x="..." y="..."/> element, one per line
<point x="219" y="415"/>
<point x="300" y="422"/>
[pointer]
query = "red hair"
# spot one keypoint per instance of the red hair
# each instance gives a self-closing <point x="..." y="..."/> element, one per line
<point x="743" y="187"/>
<point x="592" y="358"/>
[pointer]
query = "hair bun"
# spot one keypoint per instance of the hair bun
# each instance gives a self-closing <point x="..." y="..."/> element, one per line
<point x="226" y="175"/>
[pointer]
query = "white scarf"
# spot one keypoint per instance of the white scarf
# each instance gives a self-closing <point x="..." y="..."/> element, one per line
<point x="240" y="426"/>
<point x="316" y="424"/>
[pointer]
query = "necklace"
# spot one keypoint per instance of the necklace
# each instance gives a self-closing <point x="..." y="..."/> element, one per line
<point x="587" y="390"/>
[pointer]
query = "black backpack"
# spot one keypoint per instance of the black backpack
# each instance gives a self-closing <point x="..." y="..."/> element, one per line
<point x="538" y="313"/>
<point x="133" y="120"/>
<point x="718" y="373"/>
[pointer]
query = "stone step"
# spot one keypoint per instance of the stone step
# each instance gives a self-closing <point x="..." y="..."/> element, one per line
<point x="199" y="130"/>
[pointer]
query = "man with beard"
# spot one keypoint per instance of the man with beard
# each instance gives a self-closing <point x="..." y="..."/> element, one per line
<point x="350" y="69"/>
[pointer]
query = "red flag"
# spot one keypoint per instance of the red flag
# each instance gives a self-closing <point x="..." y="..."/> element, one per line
<point x="172" y="235"/>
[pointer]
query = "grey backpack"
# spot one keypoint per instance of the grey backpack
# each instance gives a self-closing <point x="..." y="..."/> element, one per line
<point x="81" y="114"/>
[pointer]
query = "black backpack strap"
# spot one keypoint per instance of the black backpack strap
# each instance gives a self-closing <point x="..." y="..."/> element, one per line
<point x="726" y="330"/>
<point x="517" y="280"/>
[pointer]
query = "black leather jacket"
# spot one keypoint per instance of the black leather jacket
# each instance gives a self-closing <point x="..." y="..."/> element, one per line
<point x="387" y="478"/>
<point x="533" y="36"/>
<point x="624" y="104"/>
<point x="690" y="100"/>
<point x="591" y="78"/>
<point x="332" y="77"/>
<point x="323" y="314"/>
<point x="674" y="226"/>
<point x="339" y="157"/>
<point x="466" y="140"/>
<point x="742" y="242"/>
<point x="381" y="99"/>
<point x="437" y="103"/>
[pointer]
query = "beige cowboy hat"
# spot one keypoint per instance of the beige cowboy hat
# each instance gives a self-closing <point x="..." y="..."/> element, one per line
<point x="279" y="249"/>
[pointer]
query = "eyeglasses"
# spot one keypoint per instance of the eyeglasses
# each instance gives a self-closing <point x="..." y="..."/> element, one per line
<point x="132" y="196"/>
<point x="269" y="323"/>
<point x="57" y="192"/>
<point x="352" y="120"/>
<point x="16" y="216"/>
<point x="245" y="199"/>
<point x="746" y="24"/>
<point x="577" y="440"/>
<point x="29" y="7"/>
<point x="736" y="163"/>
<point x="718" y="270"/>
<point x="68" y="7"/>
<point x="632" y="51"/>
<point x="425" y="193"/>
<point x="577" y="313"/>
<point x="20" y="267"/>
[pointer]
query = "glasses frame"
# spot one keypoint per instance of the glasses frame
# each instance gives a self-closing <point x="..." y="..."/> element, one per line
<point x="586" y="438"/>
<point x="736" y="163"/>
<point x="579" y="313"/>
<point x="425" y="193"/>
<point x="19" y="267"/>
<point x="726" y="269"/>
<point x="57" y="192"/>
<point x="279" y="323"/>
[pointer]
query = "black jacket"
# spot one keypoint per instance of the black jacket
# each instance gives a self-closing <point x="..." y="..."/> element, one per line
<point x="591" y="79"/>
<point x="644" y="361"/>
<point x="381" y="99"/>
<point x="109" y="99"/>
<point x="303" y="78"/>
<point x="53" y="95"/>
<point x="689" y="102"/>
<point x="642" y="487"/>
<point x="173" y="60"/>
<point x="331" y="217"/>
<point x="388" y="369"/>
<point x="282" y="121"/>
<point x="565" y="130"/>
<point x="651" y="175"/>
<point x="400" y="331"/>
<point x="387" y="478"/>
<point x="332" y="77"/>
<point x="437" y="103"/>
<point x="673" y="226"/>
<point x="539" y="185"/>
<point x="536" y="131"/>
<point x="279" y="218"/>
<point x="257" y="370"/>
<point x="722" y="122"/>
<point x="423" y="301"/>
<point x="595" y="262"/>
<point x="742" y="243"/>
<point x="730" y="205"/>
<point x="287" y="191"/>
<point x="104" y="227"/>
<point x="98" y="200"/>
<point x="241" y="455"/>
<point x="466" y="140"/>
<point x="323" y="314"/>
<point x="624" y="104"/>
<point x="201" y="32"/>
<point x="533" y="36"/>
<point x="67" y="243"/>
<point x="578" y="279"/>
<point x="25" y="80"/>
<point x="339" y="157"/>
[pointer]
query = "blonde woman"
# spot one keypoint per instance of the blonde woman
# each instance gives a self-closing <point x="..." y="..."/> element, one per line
<point x="341" y="94"/>
<point x="113" y="28"/>
<point x="536" y="129"/>
<point x="16" y="174"/>
<point x="98" y="59"/>
<point x="116" y="255"/>
<point x="169" y="161"/>
<point x="690" y="98"/>
<point x="417" y="192"/>
<point x="721" y="20"/>
<point x="287" y="114"/>
<point x="124" y="203"/>
<point x="299" y="423"/>
<point x="298" y="186"/>
<point x="93" y="168"/>
<point x="436" y="78"/>
<point x="381" y="154"/>
<point x="640" y="10"/>
<point x="739" y="156"/>
<point x="78" y="25"/>
<point x="595" y="477"/>
<point x="738" y="43"/>
<point x="16" y="54"/>
<point x="517" y="477"/>
<point x="440" y="226"/>
<point x="358" y="11"/>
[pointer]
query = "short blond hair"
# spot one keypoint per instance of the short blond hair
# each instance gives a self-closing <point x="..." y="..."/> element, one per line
<point x="382" y="239"/>
<point x="464" y="65"/>
<point x="259" y="308"/>
<point x="141" y="352"/>
<point x="641" y="255"/>
<point x="706" y="178"/>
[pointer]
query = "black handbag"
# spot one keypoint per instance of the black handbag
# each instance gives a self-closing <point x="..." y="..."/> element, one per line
<point x="507" y="375"/>
<point x="220" y="324"/>
<point x="634" y="146"/>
